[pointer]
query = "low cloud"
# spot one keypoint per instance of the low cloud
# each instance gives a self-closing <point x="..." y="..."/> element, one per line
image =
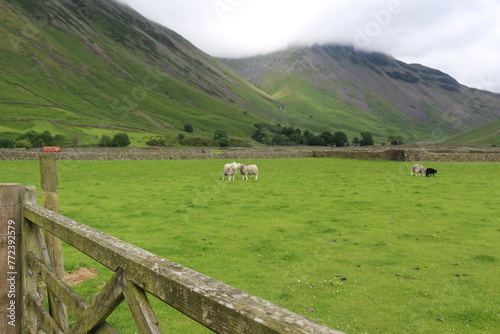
<point x="461" y="38"/>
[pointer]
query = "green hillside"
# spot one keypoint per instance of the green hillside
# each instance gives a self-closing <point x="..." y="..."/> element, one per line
<point x="88" y="68"/>
<point x="487" y="135"/>
<point x="338" y="87"/>
<point x="71" y="69"/>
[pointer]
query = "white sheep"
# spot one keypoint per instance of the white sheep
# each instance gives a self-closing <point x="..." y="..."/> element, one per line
<point x="417" y="169"/>
<point x="248" y="170"/>
<point x="230" y="170"/>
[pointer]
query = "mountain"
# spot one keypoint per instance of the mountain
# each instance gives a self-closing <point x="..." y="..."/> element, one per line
<point x="93" y="67"/>
<point x="89" y="68"/>
<point x="341" y="88"/>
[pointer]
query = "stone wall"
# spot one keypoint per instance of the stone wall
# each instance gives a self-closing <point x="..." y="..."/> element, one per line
<point x="459" y="154"/>
<point x="396" y="155"/>
<point x="413" y="154"/>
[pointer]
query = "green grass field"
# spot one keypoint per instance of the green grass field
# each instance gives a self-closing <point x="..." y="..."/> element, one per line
<point x="357" y="245"/>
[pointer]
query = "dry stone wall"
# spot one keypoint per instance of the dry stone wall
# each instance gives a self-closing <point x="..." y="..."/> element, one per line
<point x="414" y="154"/>
<point x="460" y="154"/>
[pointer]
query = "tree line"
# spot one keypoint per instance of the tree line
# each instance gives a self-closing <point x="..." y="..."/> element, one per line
<point x="220" y="139"/>
<point x="267" y="134"/>
<point x="30" y="139"/>
<point x="290" y="136"/>
<point x="33" y="139"/>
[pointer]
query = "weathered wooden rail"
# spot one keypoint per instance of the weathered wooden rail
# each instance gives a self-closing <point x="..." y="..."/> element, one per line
<point x="217" y="306"/>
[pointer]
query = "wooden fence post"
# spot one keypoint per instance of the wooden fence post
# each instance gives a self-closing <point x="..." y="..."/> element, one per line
<point x="29" y="317"/>
<point x="10" y="258"/>
<point x="50" y="200"/>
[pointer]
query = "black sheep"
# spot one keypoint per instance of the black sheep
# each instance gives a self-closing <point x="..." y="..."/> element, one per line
<point x="430" y="171"/>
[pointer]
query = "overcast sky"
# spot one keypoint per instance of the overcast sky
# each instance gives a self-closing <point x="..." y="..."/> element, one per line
<point x="458" y="37"/>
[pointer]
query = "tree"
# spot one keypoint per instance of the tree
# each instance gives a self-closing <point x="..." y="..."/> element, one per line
<point x="279" y="139"/>
<point x="288" y="131"/>
<point x="46" y="139"/>
<point x="121" y="140"/>
<point x="327" y="138"/>
<point x="395" y="140"/>
<point x="315" y="141"/>
<point x="58" y="140"/>
<point x="105" y="141"/>
<point x="224" y="142"/>
<point x="33" y="137"/>
<point x="233" y="142"/>
<point x="266" y="137"/>
<point x="76" y="140"/>
<point x="219" y="134"/>
<point x="23" y="143"/>
<point x="157" y="141"/>
<point x="297" y="139"/>
<point x="6" y="142"/>
<point x="188" y="128"/>
<point x="339" y="139"/>
<point x="366" y="139"/>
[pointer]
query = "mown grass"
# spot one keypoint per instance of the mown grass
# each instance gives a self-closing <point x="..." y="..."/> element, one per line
<point x="358" y="245"/>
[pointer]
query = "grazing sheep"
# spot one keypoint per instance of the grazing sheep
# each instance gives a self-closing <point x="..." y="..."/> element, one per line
<point x="230" y="170"/>
<point x="430" y="171"/>
<point x="417" y="169"/>
<point x="248" y="170"/>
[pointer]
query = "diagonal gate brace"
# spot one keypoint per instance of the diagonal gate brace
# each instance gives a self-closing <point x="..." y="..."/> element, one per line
<point x="102" y="305"/>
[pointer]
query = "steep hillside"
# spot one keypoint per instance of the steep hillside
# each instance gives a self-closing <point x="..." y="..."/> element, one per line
<point x="90" y="67"/>
<point x="486" y="135"/>
<point x="340" y="88"/>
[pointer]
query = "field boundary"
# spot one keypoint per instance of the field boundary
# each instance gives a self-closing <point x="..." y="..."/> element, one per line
<point x="437" y="153"/>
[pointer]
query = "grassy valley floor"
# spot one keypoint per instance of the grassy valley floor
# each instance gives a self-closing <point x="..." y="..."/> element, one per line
<point x="360" y="246"/>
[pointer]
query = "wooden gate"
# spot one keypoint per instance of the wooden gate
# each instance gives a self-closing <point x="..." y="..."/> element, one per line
<point x="37" y="256"/>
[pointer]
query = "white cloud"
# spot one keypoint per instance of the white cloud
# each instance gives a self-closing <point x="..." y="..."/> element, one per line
<point x="459" y="37"/>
